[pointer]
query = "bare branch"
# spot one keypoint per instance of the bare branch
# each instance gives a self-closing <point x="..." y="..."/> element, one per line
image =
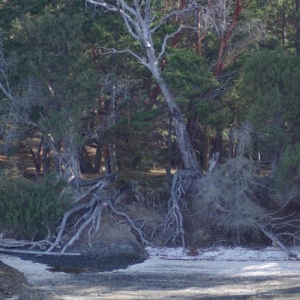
<point x="168" y="16"/>
<point x="277" y="242"/>
<point x="106" y="51"/>
<point x="2" y="250"/>
<point x="131" y="222"/>
<point x="3" y="70"/>
<point x="104" y="5"/>
<point x="167" y="37"/>
<point x="284" y="205"/>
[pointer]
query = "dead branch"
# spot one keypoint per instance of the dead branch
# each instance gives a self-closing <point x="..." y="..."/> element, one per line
<point x="276" y="242"/>
<point x="213" y="161"/>
<point x="12" y="243"/>
<point x="283" y="206"/>
<point x="4" y="250"/>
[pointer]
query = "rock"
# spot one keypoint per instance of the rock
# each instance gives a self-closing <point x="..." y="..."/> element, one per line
<point x="12" y="282"/>
<point x="113" y="247"/>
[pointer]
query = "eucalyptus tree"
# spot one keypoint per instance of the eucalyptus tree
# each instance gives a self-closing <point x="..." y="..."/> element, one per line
<point x="140" y="21"/>
<point x="143" y="24"/>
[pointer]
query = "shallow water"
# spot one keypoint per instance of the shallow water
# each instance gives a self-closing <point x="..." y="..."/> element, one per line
<point x="162" y="279"/>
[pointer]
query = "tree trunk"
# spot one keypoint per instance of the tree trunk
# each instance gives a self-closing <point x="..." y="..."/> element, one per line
<point x="56" y="147"/>
<point x="297" y="33"/>
<point x="187" y="154"/>
<point x="205" y="151"/>
<point x="98" y="156"/>
<point x="219" y="145"/>
<point x="46" y="158"/>
<point x="85" y="162"/>
<point x="112" y="157"/>
<point x="183" y="142"/>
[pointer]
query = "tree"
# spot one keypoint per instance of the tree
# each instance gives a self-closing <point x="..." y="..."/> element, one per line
<point x="270" y="89"/>
<point x="140" y="22"/>
<point x="282" y="21"/>
<point x="53" y="51"/>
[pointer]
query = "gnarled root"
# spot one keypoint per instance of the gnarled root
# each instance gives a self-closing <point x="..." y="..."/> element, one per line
<point x="88" y="215"/>
<point x="184" y="181"/>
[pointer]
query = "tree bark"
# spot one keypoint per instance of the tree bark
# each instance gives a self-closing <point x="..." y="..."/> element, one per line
<point x="98" y="157"/>
<point x="183" y="142"/>
<point x="187" y="154"/>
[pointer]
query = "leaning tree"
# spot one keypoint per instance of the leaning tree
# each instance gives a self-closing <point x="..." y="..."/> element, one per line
<point x="143" y="25"/>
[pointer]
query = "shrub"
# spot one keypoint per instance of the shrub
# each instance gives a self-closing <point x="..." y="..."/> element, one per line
<point x="226" y="203"/>
<point x="29" y="209"/>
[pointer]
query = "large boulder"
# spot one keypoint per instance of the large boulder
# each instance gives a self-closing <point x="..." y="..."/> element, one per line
<point x="113" y="247"/>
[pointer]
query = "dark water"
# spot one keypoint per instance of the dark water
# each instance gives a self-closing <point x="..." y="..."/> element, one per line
<point x="81" y="263"/>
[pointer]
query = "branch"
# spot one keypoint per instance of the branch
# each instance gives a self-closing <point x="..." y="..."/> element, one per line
<point x="89" y="220"/>
<point x="2" y="250"/>
<point x="64" y="222"/>
<point x="283" y="207"/>
<point x="130" y="221"/>
<point x="142" y="60"/>
<point x="121" y="9"/>
<point x="6" y="92"/>
<point x="104" y="5"/>
<point x="277" y="242"/>
<point x="213" y="161"/>
<point x="163" y="47"/>
<point x="168" y="16"/>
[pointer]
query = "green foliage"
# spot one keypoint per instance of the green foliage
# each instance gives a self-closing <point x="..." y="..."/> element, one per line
<point x="187" y="73"/>
<point x="270" y="89"/>
<point x="140" y="119"/>
<point x="139" y="139"/>
<point x="190" y="78"/>
<point x="288" y="170"/>
<point x="281" y="19"/>
<point x="28" y="209"/>
<point x="53" y="49"/>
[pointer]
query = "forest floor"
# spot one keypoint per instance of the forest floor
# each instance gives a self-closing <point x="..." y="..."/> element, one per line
<point x="218" y="273"/>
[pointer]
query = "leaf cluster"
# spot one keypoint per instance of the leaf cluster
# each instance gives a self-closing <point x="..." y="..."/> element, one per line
<point x="187" y="73"/>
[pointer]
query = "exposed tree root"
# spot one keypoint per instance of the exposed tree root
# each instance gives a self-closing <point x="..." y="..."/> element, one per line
<point x="184" y="182"/>
<point x="88" y="216"/>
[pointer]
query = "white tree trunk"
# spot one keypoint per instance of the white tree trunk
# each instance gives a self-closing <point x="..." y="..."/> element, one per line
<point x="138" y="19"/>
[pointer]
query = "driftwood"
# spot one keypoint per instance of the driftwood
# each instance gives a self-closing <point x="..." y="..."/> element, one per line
<point x="16" y="251"/>
<point x="276" y="242"/>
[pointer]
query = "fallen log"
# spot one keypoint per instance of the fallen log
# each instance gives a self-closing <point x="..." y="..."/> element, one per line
<point x="278" y="243"/>
<point x="32" y="252"/>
